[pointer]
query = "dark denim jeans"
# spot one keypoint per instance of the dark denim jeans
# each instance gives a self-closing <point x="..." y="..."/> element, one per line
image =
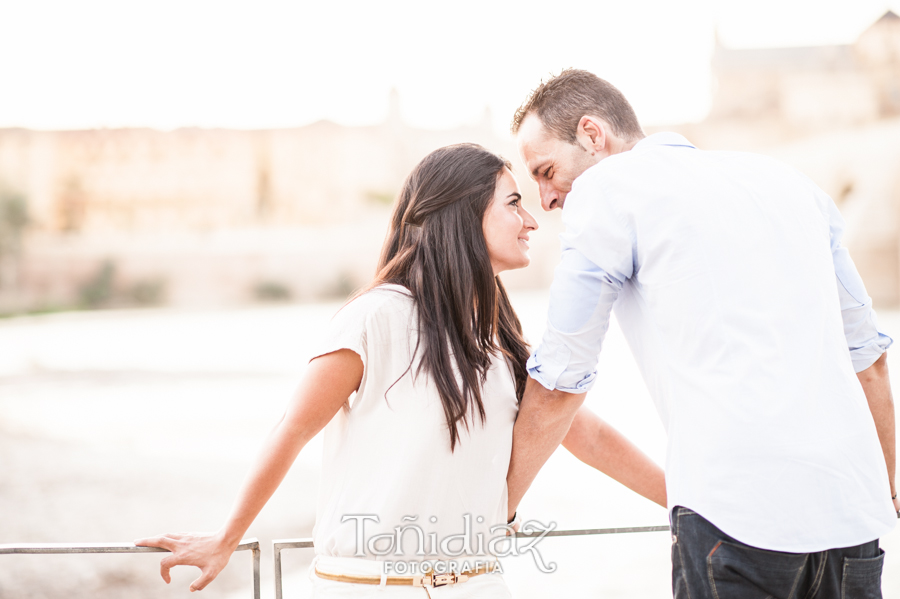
<point x="708" y="564"/>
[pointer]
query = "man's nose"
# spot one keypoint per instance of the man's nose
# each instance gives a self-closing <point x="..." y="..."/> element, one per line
<point x="549" y="197"/>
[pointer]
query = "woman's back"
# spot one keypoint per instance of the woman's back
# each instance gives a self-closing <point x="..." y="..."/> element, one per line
<point x="387" y="451"/>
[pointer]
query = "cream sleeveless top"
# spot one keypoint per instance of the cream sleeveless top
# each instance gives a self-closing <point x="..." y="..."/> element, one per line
<point x="391" y="488"/>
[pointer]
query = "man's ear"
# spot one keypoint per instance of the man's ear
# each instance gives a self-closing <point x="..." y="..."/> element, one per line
<point x="591" y="134"/>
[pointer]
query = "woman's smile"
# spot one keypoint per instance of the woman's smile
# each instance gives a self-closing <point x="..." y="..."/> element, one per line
<point x="504" y="221"/>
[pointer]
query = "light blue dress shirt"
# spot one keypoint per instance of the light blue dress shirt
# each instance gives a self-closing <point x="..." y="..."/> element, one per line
<point x="748" y="321"/>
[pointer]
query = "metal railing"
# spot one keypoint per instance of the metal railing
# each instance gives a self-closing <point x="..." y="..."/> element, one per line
<point x="279" y="545"/>
<point x="57" y="548"/>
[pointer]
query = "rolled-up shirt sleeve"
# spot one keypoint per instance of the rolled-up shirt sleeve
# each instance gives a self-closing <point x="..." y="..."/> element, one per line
<point x="597" y="259"/>
<point x="581" y="298"/>
<point x="865" y="340"/>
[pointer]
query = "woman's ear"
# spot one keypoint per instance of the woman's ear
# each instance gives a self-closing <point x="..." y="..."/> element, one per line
<point x="591" y="134"/>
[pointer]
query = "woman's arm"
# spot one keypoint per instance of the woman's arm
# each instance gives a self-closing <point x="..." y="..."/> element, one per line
<point x="598" y="444"/>
<point x="326" y="385"/>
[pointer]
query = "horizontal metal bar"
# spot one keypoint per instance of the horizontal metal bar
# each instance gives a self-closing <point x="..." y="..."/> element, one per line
<point x="45" y="548"/>
<point x="593" y="531"/>
<point x="50" y="548"/>
<point x="293" y="544"/>
<point x="68" y="548"/>
<point x="308" y="543"/>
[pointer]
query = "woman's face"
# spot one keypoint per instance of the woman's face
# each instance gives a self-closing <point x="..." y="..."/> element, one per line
<point x="506" y="226"/>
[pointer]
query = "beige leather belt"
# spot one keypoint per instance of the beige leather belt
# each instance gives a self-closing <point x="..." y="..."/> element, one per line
<point x="432" y="579"/>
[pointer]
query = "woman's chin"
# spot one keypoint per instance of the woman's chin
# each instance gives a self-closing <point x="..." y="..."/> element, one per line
<point x="523" y="263"/>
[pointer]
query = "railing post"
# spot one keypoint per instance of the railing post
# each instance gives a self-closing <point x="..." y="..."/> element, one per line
<point x="277" y="546"/>
<point x="276" y="552"/>
<point x="256" y="559"/>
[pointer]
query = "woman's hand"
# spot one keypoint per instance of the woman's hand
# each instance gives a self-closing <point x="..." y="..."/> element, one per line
<point x="209" y="552"/>
<point x="328" y="382"/>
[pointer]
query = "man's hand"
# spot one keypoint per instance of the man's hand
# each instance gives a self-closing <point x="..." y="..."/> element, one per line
<point x="543" y="421"/>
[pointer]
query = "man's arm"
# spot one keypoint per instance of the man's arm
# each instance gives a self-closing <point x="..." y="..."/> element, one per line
<point x="543" y="421"/>
<point x="865" y="341"/>
<point x="562" y="369"/>
<point x="877" y="385"/>
<point x="597" y="259"/>
<point x="601" y="446"/>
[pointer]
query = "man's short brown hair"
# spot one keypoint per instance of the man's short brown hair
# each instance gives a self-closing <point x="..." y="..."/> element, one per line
<point x="561" y="101"/>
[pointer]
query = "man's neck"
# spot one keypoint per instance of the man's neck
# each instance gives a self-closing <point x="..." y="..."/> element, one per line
<point x="623" y="145"/>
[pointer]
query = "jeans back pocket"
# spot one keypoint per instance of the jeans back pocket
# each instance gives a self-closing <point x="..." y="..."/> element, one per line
<point x="861" y="577"/>
<point x="741" y="571"/>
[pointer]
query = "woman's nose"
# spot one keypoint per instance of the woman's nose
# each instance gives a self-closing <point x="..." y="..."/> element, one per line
<point x="529" y="222"/>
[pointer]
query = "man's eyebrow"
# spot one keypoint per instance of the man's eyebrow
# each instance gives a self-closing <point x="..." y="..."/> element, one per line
<point x="537" y="170"/>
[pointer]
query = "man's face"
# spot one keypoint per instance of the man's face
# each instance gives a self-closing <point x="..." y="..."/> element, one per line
<point x="553" y="163"/>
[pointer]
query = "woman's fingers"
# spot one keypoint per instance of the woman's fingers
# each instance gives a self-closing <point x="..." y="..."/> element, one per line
<point x="204" y="551"/>
<point x="206" y="577"/>
<point x="166" y="564"/>
<point x="162" y="541"/>
<point x="170" y="542"/>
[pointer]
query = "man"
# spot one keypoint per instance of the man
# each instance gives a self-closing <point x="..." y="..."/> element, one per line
<point x="752" y="330"/>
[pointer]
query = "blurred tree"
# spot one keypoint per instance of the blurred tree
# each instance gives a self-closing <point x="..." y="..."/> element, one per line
<point x="272" y="291"/>
<point x="148" y="292"/>
<point x="97" y="292"/>
<point x="13" y="221"/>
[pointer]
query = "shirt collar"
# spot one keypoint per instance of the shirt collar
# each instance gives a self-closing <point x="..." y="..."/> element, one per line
<point x="665" y="138"/>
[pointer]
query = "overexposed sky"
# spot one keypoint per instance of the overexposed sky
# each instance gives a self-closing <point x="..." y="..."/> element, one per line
<point x="277" y="63"/>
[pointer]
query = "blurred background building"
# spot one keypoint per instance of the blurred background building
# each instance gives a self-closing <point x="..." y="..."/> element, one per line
<point x="114" y="217"/>
<point x="120" y="217"/>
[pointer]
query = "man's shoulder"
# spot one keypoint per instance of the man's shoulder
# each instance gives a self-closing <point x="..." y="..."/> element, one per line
<point x="629" y="179"/>
<point x="674" y="162"/>
<point x="624" y="166"/>
<point x="606" y="179"/>
<point x="760" y="168"/>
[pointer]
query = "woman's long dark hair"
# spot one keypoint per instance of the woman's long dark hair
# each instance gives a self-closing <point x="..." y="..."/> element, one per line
<point x="435" y="247"/>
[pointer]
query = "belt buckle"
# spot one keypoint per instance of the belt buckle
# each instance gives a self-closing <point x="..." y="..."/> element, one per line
<point x="439" y="580"/>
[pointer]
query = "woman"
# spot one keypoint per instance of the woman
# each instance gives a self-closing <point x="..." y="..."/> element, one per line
<point x="415" y="463"/>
